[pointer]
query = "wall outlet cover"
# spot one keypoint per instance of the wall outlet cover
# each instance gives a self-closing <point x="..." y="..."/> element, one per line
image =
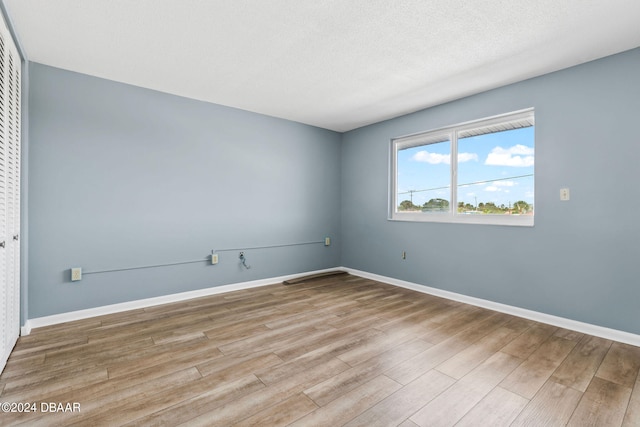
<point x="76" y="274"/>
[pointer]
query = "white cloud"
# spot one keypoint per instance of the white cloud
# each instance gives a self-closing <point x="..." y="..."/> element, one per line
<point x="465" y="157"/>
<point x="505" y="184"/>
<point x="436" y="158"/>
<point x="501" y="186"/>
<point x="517" y="156"/>
<point x="431" y="158"/>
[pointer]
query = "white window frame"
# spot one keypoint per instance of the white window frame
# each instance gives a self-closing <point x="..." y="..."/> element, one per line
<point x="452" y="132"/>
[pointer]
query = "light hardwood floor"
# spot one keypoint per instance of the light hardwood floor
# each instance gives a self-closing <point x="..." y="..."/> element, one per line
<point x="340" y="350"/>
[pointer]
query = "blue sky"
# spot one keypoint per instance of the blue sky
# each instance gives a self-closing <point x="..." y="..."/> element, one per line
<point x="500" y="163"/>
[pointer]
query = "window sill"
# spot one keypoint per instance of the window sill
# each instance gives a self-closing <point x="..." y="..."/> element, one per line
<point x="508" y="220"/>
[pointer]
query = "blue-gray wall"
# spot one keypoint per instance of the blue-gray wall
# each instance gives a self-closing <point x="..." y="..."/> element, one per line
<point x="121" y="176"/>
<point x="580" y="260"/>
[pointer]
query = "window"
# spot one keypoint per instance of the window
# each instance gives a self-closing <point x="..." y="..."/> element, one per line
<point x="491" y="180"/>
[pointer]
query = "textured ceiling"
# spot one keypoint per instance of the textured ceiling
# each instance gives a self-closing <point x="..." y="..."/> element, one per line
<point x="336" y="64"/>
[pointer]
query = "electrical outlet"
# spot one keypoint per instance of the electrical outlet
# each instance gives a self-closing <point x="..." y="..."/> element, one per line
<point x="327" y="241"/>
<point x="565" y="194"/>
<point x="404" y="255"/>
<point x="214" y="258"/>
<point x="76" y="274"/>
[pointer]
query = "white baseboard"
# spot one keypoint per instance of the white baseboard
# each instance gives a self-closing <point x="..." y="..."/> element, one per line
<point x="148" y="302"/>
<point x="586" y="328"/>
<point x="26" y="328"/>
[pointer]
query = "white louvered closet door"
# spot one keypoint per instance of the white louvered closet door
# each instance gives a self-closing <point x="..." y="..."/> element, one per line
<point x="10" y="98"/>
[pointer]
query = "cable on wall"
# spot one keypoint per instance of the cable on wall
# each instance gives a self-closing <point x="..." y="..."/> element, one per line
<point x="146" y="266"/>
<point x="243" y="260"/>
<point x="269" y="246"/>
<point x="207" y="259"/>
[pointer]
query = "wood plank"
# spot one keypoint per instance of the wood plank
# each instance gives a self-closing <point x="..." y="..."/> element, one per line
<point x="203" y="403"/>
<point x="351" y="404"/>
<point x="422" y="310"/>
<point x="466" y="360"/>
<point x="370" y="314"/>
<point x="236" y="333"/>
<point x="580" y="366"/>
<point x="36" y="347"/>
<point x="130" y="387"/>
<point x="282" y="413"/>
<point x="329" y="351"/>
<point x="26" y="390"/>
<point x="498" y="409"/>
<point x="150" y="327"/>
<point x="264" y="340"/>
<point x="334" y="387"/>
<point x="100" y="398"/>
<point x="553" y="405"/>
<point x="460" y="322"/>
<point x="321" y="316"/>
<point x="452" y="404"/>
<point x="632" y="416"/>
<point x="411" y="369"/>
<point x="405" y="402"/>
<point x="376" y="347"/>
<point x="523" y="346"/>
<point x="227" y="367"/>
<point x="529" y="377"/>
<point x="252" y="403"/>
<point x="94" y="352"/>
<point x="159" y="399"/>
<point x="17" y="365"/>
<point x="315" y="340"/>
<point x="620" y="365"/>
<point x="568" y="334"/>
<point x="603" y="404"/>
<point x="196" y="352"/>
